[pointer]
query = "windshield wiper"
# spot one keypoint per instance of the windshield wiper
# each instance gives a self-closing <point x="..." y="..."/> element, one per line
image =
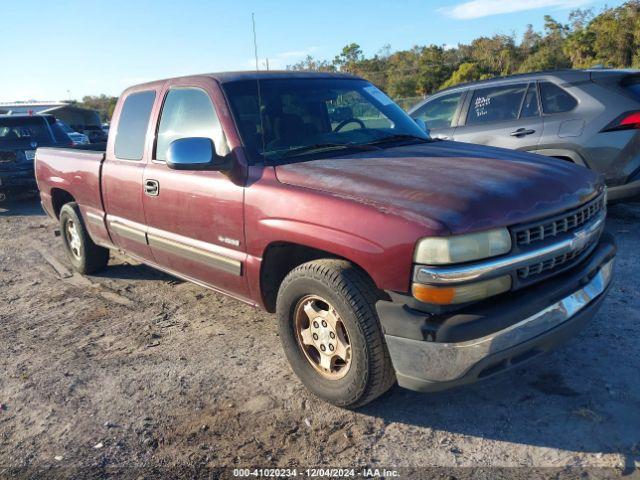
<point x="397" y="138"/>
<point x="323" y="147"/>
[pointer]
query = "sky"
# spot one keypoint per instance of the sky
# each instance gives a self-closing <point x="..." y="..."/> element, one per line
<point x="65" y="49"/>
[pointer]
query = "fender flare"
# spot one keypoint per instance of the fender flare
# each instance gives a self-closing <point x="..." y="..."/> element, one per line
<point x="562" y="152"/>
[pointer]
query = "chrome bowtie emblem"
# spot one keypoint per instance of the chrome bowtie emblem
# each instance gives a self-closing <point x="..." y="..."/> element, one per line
<point x="581" y="239"/>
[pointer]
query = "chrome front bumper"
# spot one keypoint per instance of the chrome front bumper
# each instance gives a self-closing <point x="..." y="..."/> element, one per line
<point x="422" y="365"/>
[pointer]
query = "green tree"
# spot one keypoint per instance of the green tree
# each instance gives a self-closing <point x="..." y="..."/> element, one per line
<point x="313" y="64"/>
<point x="348" y="59"/>
<point x="549" y="53"/>
<point x="497" y="54"/>
<point x="102" y="103"/>
<point x="467" y="72"/>
<point x="617" y="35"/>
<point x="611" y="38"/>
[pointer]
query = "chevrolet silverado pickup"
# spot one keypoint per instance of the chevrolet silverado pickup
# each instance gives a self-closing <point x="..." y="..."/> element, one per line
<point x="387" y="256"/>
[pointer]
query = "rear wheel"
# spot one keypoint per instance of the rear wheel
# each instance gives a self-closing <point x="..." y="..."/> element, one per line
<point x="85" y="256"/>
<point x="331" y="334"/>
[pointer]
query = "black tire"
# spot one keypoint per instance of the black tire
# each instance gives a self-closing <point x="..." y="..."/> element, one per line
<point x="353" y="295"/>
<point x="85" y="257"/>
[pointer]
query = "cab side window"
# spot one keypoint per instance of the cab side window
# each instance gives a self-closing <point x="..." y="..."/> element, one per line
<point x="189" y="112"/>
<point x="439" y="113"/>
<point x="555" y="99"/>
<point x="133" y="124"/>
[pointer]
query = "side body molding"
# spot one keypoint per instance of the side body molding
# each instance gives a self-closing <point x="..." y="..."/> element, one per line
<point x="198" y="251"/>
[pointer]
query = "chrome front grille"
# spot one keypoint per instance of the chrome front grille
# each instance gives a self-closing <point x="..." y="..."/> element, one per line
<point x="553" y="263"/>
<point x="563" y="223"/>
<point x="576" y="234"/>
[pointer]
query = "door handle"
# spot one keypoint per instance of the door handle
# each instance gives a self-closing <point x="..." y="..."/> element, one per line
<point x="152" y="188"/>
<point x="521" y="132"/>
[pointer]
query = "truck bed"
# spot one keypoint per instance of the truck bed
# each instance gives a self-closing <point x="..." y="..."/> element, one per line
<point x="74" y="170"/>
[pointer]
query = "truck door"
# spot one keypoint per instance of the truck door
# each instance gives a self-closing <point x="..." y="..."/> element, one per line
<point x="122" y="173"/>
<point x="506" y="116"/>
<point x="195" y="218"/>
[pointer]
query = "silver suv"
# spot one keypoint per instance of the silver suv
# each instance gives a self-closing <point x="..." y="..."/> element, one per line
<point x="590" y="117"/>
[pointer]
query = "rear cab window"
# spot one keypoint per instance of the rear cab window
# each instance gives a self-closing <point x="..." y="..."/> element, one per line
<point x="555" y="99"/>
<point x="439" y="112"/>
<point x="133" y="124"/>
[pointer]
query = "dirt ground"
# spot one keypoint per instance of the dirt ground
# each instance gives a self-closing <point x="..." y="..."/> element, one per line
<point x="136" y="370"/>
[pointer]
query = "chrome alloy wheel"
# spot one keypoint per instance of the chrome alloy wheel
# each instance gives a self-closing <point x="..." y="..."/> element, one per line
<point x="322" y="336"/>
<point x="73" y="239"/>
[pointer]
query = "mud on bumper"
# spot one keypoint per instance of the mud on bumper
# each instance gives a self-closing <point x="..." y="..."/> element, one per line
<point x="432" y="353"/>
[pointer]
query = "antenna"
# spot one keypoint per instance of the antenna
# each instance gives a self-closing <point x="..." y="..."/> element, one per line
<point x="255" y="51"/>
<point x="255" y="39"/>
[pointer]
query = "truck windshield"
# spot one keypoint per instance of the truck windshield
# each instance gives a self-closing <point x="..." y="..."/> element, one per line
<point x="297" y="118"/>
<point x="24" y="130"/>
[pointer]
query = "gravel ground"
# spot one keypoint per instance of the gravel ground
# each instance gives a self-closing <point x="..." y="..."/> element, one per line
<point x="136" y="370"/>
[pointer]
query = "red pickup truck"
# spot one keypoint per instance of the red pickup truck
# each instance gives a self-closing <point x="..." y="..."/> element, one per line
<point x="387" y="256"/>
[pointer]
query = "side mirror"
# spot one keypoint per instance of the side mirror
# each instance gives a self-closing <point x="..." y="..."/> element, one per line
<point x="422" y="124"/>
<point x="194" y="153"/>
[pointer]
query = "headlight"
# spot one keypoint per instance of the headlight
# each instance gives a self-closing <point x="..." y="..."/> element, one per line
<point x="462" y="248"/>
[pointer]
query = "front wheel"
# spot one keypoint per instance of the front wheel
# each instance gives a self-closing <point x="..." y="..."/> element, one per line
<point x="85" y="256"/>
<point x="331" y="334"/>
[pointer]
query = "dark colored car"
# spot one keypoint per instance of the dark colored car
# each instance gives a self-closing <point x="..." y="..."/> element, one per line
<point x="385" y="254"/>
<point x="589" y="117"/>
<point x="20" y="135"/>
<point x="95" y="133"/>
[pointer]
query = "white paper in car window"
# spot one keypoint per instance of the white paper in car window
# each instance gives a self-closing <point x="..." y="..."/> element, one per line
<point x="481" y="105"/>
<point x="378" y="95"/>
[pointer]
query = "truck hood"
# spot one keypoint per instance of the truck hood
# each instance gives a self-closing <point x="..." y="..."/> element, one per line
<point x="462" y="186"/>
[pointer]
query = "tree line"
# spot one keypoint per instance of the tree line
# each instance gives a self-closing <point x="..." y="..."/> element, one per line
<point x="103" y="104"/>
<point x="610" y="39"/>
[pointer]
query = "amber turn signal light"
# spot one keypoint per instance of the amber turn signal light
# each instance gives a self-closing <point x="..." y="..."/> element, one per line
<point x="470" y="292"/>
<point x="435" y="295"/>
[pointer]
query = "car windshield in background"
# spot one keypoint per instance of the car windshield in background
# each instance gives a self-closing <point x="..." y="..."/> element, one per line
<point x="59" y="134"/>
<point x="65" y="128"/>
<point x="302" y="117"/>
<point x="24" y="130"/>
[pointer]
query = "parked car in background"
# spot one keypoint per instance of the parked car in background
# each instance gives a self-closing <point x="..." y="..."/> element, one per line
<point x="20" y="135"/>
<point x="589" y="117"/>
<point x="105" y="128"/>
<point x="77" y="138"/>
<point x="95" y="133"/>
<point x="385" y="254"/>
